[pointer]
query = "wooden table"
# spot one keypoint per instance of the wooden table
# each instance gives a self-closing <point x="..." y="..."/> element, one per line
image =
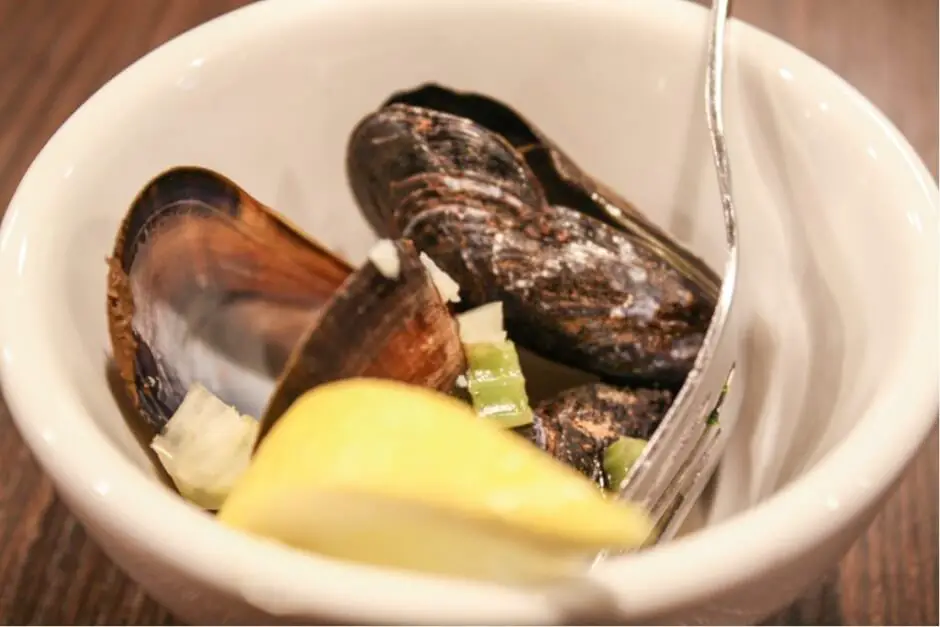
<point x="55" y="53"/>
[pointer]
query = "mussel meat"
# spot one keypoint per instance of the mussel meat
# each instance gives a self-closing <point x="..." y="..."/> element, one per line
<point x="574" y="288"/>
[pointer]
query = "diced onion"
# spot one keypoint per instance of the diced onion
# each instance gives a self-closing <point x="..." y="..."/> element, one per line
<point x="483" y="325"/>
<point x="205" y="447"/>
<point x="446" y="286"/>
<point x="384" y="256"/>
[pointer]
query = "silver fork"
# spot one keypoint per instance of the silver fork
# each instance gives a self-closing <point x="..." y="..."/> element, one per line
<point x="682" y="455"/>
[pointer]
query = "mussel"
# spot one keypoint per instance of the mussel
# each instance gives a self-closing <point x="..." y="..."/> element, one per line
<point x="585" y="279"/>
<point x="387" y="327"/>
<point x="578" y="424"/>
<point x="208" y="285"/>
<point x="575" y="289"/>
<point x="563" y="182"/>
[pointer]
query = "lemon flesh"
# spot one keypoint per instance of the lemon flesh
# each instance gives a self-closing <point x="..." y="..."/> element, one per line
<point x="401" y="476"/>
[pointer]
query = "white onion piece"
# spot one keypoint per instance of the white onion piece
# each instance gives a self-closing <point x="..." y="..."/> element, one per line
<point x="205" y="447"/>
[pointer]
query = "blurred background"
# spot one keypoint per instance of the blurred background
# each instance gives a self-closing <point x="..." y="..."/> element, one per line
<point x="56" y="53"/>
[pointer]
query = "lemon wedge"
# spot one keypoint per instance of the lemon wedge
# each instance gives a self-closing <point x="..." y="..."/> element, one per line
<point x="400" y="476"/>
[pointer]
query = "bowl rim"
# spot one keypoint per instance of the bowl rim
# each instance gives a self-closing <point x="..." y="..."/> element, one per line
<point x="100" y="483"/>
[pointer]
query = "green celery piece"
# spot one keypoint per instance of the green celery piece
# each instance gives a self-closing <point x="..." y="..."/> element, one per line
<point x="496" y="383"/>
<point x="619" y="457"/>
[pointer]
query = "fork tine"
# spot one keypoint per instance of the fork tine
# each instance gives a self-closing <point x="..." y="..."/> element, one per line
<point x="680" y="488"/>
<point x="682" y="454"/>
<point x="692" y="484"/>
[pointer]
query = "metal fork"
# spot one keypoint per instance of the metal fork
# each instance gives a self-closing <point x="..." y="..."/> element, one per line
<point x="682" y="455"/>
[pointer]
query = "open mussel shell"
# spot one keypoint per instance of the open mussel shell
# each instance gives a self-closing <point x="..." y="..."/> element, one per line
<point x="380" y="324"/>
<point x="208" y="285"/>
<point x="574" y="289"/>
<point x="578" y="424"/>
<point x="564" y="183"/>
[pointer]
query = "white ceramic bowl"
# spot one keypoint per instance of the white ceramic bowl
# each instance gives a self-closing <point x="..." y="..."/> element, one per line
<point x="838" y="361"/>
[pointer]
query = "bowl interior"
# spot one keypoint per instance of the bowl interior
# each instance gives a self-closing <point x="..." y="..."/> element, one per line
<point x="275" y="116"/>
<point x="823" y="194"/>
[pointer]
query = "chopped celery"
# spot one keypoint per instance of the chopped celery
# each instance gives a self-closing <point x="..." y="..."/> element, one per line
<point x="205" y="447"/>
<point x="619" y="457"/>
<point x="496" y="384"/>
<point x="494" y="376"/>
<point x="712" y="419"/>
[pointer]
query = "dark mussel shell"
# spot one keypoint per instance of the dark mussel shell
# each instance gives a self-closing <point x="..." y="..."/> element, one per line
<point x="563" y="181"/>
<point x="401" y="153"/>
<point x="207" y="284"/>
<point x="387" y="327"/>
<point x="574" y="289"/>
<point x="578" y="424"/>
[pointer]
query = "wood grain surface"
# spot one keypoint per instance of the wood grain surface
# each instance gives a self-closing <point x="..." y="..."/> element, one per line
<point x="56" y="53"/>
